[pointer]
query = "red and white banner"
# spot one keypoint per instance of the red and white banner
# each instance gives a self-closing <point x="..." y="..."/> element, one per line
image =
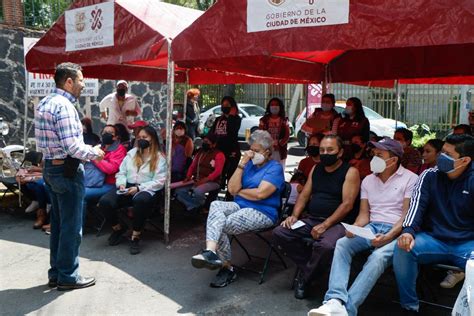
<point x="266" y="15"/>
<point x="315" y="92"/>
<point x="90" y="27"/>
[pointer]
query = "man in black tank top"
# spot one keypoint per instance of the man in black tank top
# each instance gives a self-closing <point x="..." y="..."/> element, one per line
<point x="331" y="190"/>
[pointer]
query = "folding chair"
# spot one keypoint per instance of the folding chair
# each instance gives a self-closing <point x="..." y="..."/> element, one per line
<point x="282" y="213"/>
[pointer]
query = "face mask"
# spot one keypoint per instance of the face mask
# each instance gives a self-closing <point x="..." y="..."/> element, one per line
<point x="328" y="159"/>
<point x="313" y="151"/>
<point x="445" y="163"/>
<point x="326" y="107"/>
<point x="377" y="165"/>
<point x="143" y="144"/>
<point x="205" y="146"/>
<point x="274" y="110"/>
<point x="258" y="159"/>
<point x="121" y="92"/>
<point x="355" y="148"/>
<point x="179" y="132"/>
<point x="348" y="111"/>
<point x="107" y="139"/>
<point x="225" y="109"/>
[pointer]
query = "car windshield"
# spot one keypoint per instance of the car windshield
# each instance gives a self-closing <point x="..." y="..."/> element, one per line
<point x="253" y="110"/>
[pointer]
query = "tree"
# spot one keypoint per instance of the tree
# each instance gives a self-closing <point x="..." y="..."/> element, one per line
<point x="195" y="4"/>
<point x="43" y="13"/>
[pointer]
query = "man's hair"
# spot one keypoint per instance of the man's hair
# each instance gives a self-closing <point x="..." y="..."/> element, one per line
<point x="337" y="138"/>
<point x="64" y="71"/>
<point x="407" y="134"/>
<point x="330" y="96"/>
<point x="463" y="144"/>
<point x="466" y="129"/>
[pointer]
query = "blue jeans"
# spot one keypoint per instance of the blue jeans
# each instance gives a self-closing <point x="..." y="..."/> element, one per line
<point x="378" y="261"/>
<point x="93" y="195"/>
<point x="39" y="192"/>
<point x="67" y="197"/>
<point x="427" y="250"/>
<point x="198" y="196"/>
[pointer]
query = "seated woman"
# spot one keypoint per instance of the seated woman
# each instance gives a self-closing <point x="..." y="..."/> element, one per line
<point x="206" y="171"/>
<point x="108" y="167"/>
<point x="312" y="150"/>
<point x="142" y="174"/>
<point x="256" y="185"/>
<point x="89" y="137"/>
<point x="360" y="156"/>
<point x="182" y="150"/>
<point x="124" y="136"/>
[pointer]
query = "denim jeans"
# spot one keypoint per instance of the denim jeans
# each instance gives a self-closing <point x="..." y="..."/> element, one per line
<point x="427" y="250"/>
<point x="67" y="197"/>
<point x="378" y="261"/>
<point x="198" y="196"/>
<point x="39" y="192"/>
<point x="93" y="195"/>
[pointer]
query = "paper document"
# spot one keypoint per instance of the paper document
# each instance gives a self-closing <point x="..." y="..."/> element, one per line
<point x="298" y="224"/>
<point x="359" y="231"/>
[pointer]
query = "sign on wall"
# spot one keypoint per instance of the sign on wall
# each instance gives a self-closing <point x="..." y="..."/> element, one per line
<point x="40" y="85"/>
<point x="266" y="15"/>
<point x="90" y="27"/>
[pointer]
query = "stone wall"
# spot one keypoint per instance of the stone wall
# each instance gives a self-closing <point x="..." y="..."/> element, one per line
<point x="12" y="89"/>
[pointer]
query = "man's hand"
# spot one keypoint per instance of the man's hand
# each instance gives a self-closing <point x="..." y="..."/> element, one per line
<point x="200" y="182"/>
<point x="121" y="187"/>
<point x="132" y="191"/>
<point x="289" y="221"/>
<point x="100" y="153"/>
<point x="187" y="179"/>
<point x="406" y="242"/>
<point x="349" y="234"/>
<point x="318" y="230"/>
<point x="380" y="240"/>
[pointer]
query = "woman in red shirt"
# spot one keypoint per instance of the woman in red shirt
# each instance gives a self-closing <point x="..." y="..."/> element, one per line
<point x="431" y="151"/>
<point x="276" y="123"/>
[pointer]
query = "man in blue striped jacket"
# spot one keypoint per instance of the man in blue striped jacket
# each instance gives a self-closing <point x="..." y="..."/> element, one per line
<point x="439" y="226"/>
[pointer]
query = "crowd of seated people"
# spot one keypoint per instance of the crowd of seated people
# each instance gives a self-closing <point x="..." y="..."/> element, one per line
<point x="414" y="202"/>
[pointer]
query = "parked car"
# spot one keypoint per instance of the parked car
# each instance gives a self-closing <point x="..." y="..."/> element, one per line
<point x="379" y="125"/>
<point x="250" y="114"/>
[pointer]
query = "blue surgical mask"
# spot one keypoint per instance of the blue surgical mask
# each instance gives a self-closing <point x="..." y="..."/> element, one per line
<point x="445" y="163"/>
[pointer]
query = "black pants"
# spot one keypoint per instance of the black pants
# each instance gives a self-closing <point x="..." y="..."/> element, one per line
<point x="142" y="203"/>
<point x="310" y="259"/>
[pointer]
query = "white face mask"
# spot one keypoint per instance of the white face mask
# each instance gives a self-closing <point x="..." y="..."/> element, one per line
<point x="274" y="110"/>
<point x="378" y="165"/>
<point x="179" y="132"/>
<point x="258" y="159"/>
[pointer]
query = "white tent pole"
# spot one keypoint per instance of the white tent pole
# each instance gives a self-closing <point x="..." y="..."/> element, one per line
<point x="169" y="139"/>
<point x="399" y="102"/>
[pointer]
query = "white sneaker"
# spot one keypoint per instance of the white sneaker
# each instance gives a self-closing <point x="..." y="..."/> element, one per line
<point x="32" y="207"/>
<point x="451" y="279"/>
<point x="332" y="307"/>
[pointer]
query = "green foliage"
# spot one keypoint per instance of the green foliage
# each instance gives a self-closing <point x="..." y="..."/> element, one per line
<point x="421" y="134"/>
<point x="43" y="13"/>
<point x="195" y="4"/>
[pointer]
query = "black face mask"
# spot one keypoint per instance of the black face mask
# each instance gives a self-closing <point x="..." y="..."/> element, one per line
<point x="328" y="159"/>
<point x="121" y="92"/>
<point x="313" y="151"/>
<point x="205" y="146"/>
<point x="225" y="109"/>
<point x="143" y="144"/>
<point x="107" y="139"/>
<point x="355" y="148"/>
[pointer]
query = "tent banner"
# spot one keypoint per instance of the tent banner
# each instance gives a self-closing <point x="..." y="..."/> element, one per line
<point x="40" y="85"/>
<point x="267" y="15"/>
<point x="90" y="27"/>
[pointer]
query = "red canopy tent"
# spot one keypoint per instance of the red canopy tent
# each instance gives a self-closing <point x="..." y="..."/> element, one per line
<point x="384" y="40"/>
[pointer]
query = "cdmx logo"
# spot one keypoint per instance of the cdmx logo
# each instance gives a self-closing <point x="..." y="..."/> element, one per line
<point x="276" y="2"/>
<point x="96" y="21"/>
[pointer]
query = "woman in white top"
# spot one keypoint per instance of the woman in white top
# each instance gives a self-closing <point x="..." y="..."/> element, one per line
<point x="142" y="174"/>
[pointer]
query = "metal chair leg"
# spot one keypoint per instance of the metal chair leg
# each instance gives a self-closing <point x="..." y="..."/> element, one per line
<point x="241" y="246"/>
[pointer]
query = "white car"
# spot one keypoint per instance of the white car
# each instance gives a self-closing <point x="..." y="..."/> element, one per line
<point x="379" y="125"/>
<point x="250" y="114"/>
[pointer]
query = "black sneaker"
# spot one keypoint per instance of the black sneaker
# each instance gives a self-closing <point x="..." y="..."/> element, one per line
<point x="206" y="259"/>
<point x="116" y="236"/>
<point x="135" y="246"/>
<point x="52" y="283"/>
<point x="223" y="278"/>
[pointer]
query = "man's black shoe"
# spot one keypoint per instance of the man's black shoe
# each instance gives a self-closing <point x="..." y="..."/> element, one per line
<point x="135" y="246"/>
<point x="300" y="288"/>
<point x="116" y="237"/>
<point x="206" y="259"/>
<point x="82" y="282"/>
<point x="52" y="283"/>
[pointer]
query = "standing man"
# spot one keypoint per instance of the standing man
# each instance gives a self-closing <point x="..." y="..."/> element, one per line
<point x="58" y="132"/>
<point x="121" y="106"/>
